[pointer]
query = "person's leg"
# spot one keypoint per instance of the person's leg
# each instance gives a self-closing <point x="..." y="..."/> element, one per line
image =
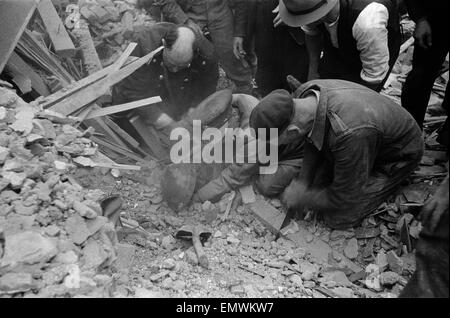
<point x="444" y="131"/>
<point x="265" y="49"/>
<point x="221" y="31"/>
<point x="272" y="185"/>
<point x="293" y="57"/>
<point x="417" y="88"/>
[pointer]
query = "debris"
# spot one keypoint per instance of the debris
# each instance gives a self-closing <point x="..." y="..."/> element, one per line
<point x="248" y="195"/>
<point x="272" y="218"/>
<point x="337" y="277"/>
<point x="343" y="292"/>
<point x="366" y="233"/>
<point x="395" y="262"/>
<point x="16" y="282"/>
<point x="389" y="278"/>
<point x="27" y="248"/>
<point x="351" y="250"/>
<point x="382" y="261"/>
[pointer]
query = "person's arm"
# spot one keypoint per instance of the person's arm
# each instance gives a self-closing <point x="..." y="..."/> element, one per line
<point x="245" y="103"/>
<point x="233" y="177"/>
<point x="240" y="23"/>
<point x="371" y="35"/>
<point x="354" y="157"/>
<point x="172" y="11"/>
<point x="314" y="45"/>
<point x="293" y="195"/>
<point x="417" y="9"/>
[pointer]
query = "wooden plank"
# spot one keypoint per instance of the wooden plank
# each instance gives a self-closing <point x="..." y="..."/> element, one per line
<point x="29" y="47"/>
<point x="123" y="58"/>
<point x="101" y="127"/>
<point x="88" y="95"/>
<point x="56" y="30"/>
<point x="124" y="107"/>
<point x="149" y="136"/>
<point x="117" y="149"/>
<point x="75" y="87"/>
<point x="17" y="64"/>
<point x="119" y="131"/>
<point x="14" y="17"/>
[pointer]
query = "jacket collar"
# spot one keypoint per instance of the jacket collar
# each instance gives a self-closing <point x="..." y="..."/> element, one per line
<point x="317" y="134"/>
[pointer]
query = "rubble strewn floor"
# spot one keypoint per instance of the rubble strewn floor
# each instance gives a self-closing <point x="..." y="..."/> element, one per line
<point x="56" y="242"/>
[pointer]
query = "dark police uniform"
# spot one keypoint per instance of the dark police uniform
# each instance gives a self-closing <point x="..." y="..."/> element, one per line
<point x="179" y="91"/>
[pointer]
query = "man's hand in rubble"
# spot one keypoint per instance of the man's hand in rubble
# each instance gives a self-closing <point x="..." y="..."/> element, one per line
<point x="238" y="47"/>
<point x="245" y="104"/>
<point x="436" y="207"/>
<point x="296" y="196"/>
<point x="423" y="34"/>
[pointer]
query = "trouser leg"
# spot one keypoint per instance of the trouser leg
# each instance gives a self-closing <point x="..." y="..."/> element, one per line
<point x="444" y="130"/>
<point x="417" y="89"/>
<point x="221" y="31"/>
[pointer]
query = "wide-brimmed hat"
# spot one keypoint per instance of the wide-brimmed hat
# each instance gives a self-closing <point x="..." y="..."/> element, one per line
<point x="297" y="13"/>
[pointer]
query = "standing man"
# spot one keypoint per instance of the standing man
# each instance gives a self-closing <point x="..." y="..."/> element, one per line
<point x="360" y="39"/>
<point x="281" y="50"/>
<point x="359" y="147"/>
<point x="227" y="31"/>
<point x="431" y="48"/>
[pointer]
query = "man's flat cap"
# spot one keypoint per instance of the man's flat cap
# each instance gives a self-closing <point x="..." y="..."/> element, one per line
<point x="274" y="111"/>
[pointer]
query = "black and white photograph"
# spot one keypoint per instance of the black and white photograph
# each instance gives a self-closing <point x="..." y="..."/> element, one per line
<point x="224" y="156"/>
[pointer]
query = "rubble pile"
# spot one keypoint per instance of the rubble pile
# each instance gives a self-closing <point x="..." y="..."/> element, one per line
<point x="111" y="24"/>
<point x="54" y="241"/>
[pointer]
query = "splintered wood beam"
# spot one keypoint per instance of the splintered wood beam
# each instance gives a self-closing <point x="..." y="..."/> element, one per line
<point x="150" y="137"/>
<point x="117" y="149"/>
<point x="124" y="107"/>
<point x="84" y="82"/>
<point x="88" y="95"/>
<point x="121" y="133"/>
<point x="16" y="64"/>
<point x="14" y="17"/>
<point x="62" y="43"/>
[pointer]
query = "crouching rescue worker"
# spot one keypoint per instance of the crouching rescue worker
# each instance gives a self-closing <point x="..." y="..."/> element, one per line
<point x="359" y="147"/>
<point x="237" y="175"/>
<point x="180" y="74"/>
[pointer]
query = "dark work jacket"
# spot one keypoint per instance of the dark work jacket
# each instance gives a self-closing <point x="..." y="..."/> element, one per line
<point x="359" y="134"/>
<point x="179" y="91"/>
<point x="435" y="11"/>
<point x="344" y="62"/>
<point x="258" y="23"/>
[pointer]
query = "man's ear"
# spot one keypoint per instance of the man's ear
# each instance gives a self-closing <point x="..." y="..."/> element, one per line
<point x="293" y="127"/>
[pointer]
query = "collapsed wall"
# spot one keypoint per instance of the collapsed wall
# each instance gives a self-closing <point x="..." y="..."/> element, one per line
<point x="54" y="241"/>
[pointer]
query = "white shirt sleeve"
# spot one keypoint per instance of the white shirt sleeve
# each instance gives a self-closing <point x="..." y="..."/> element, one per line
<point x="371" y="35"/>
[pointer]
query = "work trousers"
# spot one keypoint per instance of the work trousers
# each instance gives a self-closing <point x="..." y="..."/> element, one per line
<point x="426" y="66"/>
<point x="221" y="33"/>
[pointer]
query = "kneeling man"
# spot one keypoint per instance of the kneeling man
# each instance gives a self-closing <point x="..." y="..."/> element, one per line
<point x="359" y="147"/>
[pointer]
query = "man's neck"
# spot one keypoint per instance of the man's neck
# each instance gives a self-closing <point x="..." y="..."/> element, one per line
<point x="305" y="111"/>
<point x="332" y="17"/>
